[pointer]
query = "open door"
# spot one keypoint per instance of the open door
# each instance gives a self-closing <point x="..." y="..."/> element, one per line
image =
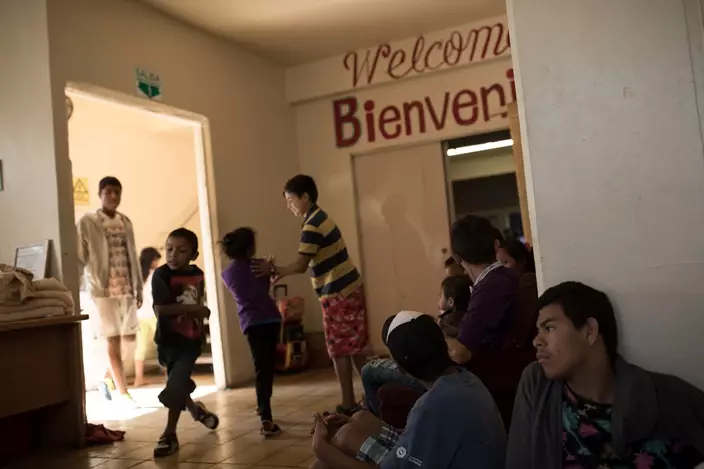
<point x="515" y="129"/>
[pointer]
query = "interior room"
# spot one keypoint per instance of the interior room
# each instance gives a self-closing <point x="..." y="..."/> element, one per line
<point x="366" y="97"/>
<point x="481" y="172"/>
<point x="154" y="156"/>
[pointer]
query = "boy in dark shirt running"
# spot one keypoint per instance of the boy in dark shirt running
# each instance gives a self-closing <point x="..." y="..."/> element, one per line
<point x="177" y="289"/>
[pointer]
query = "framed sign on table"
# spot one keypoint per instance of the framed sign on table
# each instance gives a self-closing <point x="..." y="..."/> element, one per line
<point x="35" y="258"/>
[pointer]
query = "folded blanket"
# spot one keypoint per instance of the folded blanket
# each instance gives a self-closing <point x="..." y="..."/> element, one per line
<point x="64" y="297"/>
<point x="35" y="303"/>
<point x="15" y="284"/>
<point x="36" y="313"/>
<point x="49" y="284"/>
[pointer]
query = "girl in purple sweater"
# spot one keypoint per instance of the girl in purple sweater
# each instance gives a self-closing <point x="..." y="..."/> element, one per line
<point x="259" y="318"/>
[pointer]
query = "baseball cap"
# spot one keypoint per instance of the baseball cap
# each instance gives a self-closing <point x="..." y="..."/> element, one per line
<point x="417" y="344"/>
<point x="396" y="320"/>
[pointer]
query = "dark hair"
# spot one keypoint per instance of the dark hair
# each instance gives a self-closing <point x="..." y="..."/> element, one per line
<point x="146" y="259"/>
<point x="188" y="235"/>
<point x="108" y="181"/>
<point x="520" y="253"/>
<point x="450" y="261"/>
<point x="457" y="287"/>
<point x="239" y="244"/>
<point x="497" y="234"/>
<point x="302" y="184"/>
<point x="581" y="302"/>
<point x="472" y="239"/>
<point x="419" y="348"/>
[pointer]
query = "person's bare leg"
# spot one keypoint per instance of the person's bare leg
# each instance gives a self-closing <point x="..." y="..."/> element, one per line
<point x="359" y="361"/>
<point x="343" y="370"/>
<point x="138" y="373"/>
<point x="115" y="362"/>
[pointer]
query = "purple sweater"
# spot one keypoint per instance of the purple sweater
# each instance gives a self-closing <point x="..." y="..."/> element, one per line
<point x="490" y="309"/>
<point x="251" y="293"/>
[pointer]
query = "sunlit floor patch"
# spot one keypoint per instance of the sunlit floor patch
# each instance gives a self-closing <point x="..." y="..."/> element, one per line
<point x="100" y="409"/>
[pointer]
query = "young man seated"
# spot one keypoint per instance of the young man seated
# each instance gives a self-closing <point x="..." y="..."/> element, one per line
<point x="454" y="425"/>
<point x="491" y="306"/>
<point x="383" y="371"/>
<point x="452" y="306"/>
<point x="582" y="406"/>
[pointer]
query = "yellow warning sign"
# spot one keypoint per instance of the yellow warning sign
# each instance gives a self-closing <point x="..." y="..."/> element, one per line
<point x="80" y="191"/>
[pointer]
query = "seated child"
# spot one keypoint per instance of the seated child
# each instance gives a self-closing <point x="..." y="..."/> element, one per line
<point x="259" y="318"/>
<point x="454" y="300"/>
<point x="455" y="425"/>
<point x="452" y="268"/>
<point x="177" y="291"/>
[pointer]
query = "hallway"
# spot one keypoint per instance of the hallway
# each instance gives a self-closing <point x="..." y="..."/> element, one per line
<point x="236" y="443"/>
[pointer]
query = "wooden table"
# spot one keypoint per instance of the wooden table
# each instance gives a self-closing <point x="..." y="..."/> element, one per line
<point x="41" y="368"/>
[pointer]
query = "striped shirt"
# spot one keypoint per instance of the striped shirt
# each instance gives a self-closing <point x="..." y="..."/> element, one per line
<point x="332" y="271"/>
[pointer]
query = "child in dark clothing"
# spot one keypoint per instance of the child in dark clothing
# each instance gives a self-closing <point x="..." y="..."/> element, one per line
<point x="454" y="299"/>
<point x="259" y="318"/>
<point x="177" y="289"/>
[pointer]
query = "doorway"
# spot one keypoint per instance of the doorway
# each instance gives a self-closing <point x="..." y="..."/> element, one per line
<point x="482" y="180"/>
<point x="404" y="230"/>
<point x="158" y="154"/>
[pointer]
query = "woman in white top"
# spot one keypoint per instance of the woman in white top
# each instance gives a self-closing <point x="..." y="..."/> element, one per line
<point x="149" y="260"/>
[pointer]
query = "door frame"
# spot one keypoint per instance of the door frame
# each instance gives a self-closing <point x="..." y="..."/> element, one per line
<point x="206" y="203"/>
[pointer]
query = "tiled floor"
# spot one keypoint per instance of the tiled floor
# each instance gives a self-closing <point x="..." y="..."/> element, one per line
<point x="235" y="444"/>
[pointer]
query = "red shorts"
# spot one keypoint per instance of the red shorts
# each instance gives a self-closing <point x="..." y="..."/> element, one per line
<point x="345" y="324"/>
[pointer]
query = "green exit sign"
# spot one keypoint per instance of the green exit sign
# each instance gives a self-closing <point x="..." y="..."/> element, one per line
<point x="148" y="84"/>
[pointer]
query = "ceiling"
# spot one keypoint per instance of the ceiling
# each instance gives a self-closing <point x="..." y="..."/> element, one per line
<point x="292" y="32"/>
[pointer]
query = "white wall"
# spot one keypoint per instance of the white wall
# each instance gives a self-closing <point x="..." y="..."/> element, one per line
<point x="251" y="127"/>
<point x="29" y="201"/>
<point x="615" y="164"/>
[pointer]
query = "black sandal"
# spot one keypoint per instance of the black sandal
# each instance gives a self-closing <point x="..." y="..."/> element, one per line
<point x="166" y="446"/>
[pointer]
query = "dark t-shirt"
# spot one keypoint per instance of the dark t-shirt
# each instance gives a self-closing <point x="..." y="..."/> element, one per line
<point x="178" y="287"/>
<point x="586" y="433"/>
<point x="490" y="309"/>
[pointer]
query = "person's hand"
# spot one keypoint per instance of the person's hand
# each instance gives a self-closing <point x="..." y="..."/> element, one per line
<point x="263" y="267"/>
<point x="320" y="431"/>
<point x="140" y="300"/>
<point x="274" y="279"/>
<point x="330" y="420"/>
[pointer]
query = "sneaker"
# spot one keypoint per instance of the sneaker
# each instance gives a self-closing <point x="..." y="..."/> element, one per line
<point x="105" y="387"/>
<point x="206" y="417"/>
<point x="167" y="445"/>
<point x="269" y="429"/>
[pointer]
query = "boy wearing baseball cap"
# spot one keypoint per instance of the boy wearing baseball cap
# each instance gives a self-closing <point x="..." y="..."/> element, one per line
<point x="454" y="424"/>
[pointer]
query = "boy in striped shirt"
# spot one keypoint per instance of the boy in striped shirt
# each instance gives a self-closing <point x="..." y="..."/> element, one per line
<point x="336" y="281"/>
